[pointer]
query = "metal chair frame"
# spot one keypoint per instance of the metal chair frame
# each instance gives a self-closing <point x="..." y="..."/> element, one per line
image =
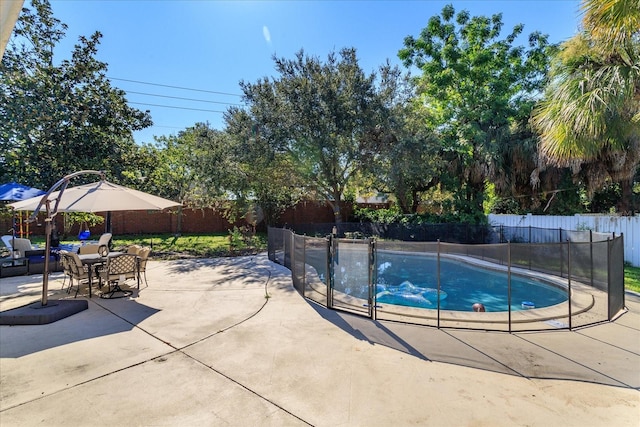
<point x="119" y="268"/>
<point x="79" y="271"/>
<point x="143" y="257"/>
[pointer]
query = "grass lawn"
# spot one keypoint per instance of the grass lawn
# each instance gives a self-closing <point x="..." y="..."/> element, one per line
<point x="632" y="278"/>
<point x="170" y="246"/>
<point x="197" y="245"/>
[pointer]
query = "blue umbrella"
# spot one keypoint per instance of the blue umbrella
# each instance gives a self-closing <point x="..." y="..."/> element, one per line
<point x="15" y="191"/>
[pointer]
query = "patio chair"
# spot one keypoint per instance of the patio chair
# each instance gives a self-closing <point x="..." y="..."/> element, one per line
<point x="94" y="248"/>
<point x="79" y="271"/>
<point x="21" y="246"/>
<point x="66" y="268"/>
<point x="105" y="239"/>
<point x="118" y="269"/>
<point x="88" y="249"/>
<point x="143" y="257"/>
<point x="134" y="249"/>
<point x="7" y="241"/>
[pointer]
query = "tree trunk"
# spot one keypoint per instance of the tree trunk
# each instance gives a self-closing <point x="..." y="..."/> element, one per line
<point x="624" y="205"/>
<point x="401" y="195"/>
<point x="337" y="213"/>
<point x="415" y="202"/>
<point x="475" y="197"/>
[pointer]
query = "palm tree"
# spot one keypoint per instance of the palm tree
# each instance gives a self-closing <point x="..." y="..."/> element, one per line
<point x="613" y="23"/>
<point x="590" y="117"/>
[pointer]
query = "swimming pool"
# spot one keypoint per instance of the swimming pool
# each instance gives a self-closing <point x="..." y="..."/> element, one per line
<point x="410" y="279"/>
<point x="348" y="274"/>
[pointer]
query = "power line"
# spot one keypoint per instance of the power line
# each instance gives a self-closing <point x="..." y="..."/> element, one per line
<point x="174" y="87"/>
<point x="177" y="108"/>
<point x="184" y="99"/>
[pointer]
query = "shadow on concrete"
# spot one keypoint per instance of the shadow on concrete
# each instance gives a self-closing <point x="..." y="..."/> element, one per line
<point x="189" y="265"/>
<point x="246" y="270"/>
<point x="96" y="321"/>
<point x="559" y="355"/>
<point x="38" y="314"/>
<point x="373" y="332"/>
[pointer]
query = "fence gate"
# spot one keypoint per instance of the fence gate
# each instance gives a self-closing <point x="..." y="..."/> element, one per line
<point x="351" y="287"/>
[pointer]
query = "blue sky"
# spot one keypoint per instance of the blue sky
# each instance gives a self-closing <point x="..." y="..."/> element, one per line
<point x="210" y="46"/>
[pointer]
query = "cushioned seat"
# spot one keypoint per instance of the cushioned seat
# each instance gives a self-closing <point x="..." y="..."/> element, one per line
<point x="21" y="246"/>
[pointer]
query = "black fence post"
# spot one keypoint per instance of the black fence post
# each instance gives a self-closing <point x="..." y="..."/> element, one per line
<point x="372" y="279"/>
<point x="622" y="261"/>
<point x="609" y="316"/>
<point x="304" y="266"/>
<point x="509" y="281"/>
<point x="438" y="292"/>
<point x="292" y="257"/>
<point x="530" y="247"/>
<point x="591" y="254"/>
<point x="569" y="281"/>
<point x="561" y="258"/>
<point x="330" y="239"/>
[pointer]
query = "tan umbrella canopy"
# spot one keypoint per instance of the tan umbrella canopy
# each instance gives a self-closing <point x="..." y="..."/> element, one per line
<point x="101" y="196"/>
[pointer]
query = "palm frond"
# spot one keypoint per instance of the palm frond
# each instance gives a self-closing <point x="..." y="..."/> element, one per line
<point x="612" y="23"/>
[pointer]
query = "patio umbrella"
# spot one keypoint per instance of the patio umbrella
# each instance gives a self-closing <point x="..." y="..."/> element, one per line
<point x="14" y="191"/>
<point x="101" y="196"/>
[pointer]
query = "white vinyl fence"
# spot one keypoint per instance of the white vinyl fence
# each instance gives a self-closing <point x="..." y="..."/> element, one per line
<point x="629" y="226"/>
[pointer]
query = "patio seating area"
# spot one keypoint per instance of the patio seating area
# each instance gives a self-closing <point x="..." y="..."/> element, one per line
<point x="22" y="257"/>
<point x="230" y="341"/>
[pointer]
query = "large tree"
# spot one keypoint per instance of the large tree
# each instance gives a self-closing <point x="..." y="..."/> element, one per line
<point x="320" y="115"/>
<point x="265" y="177"/>
<point x="590" y="117"/>
<point x="474" y="87"/>
<point x="60" y="117"/>
<point x="406" y="161"/>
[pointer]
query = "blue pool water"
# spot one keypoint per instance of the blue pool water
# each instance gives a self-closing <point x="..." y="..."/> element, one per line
<point x="411" y="280"/>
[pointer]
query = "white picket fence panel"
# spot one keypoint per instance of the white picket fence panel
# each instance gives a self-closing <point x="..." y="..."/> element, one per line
<point x="629" y="226"/>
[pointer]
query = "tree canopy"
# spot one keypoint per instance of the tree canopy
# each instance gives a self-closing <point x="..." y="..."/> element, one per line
<point x="458" y="132"/>
<point x="58" y="117"/>
<point x="318" y="114"/>
<point x="407" y="161"/>
<point x="474" y="86"/>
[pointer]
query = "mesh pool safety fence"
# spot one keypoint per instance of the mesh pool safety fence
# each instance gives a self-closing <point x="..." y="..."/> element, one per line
<point x="455" y="275"/>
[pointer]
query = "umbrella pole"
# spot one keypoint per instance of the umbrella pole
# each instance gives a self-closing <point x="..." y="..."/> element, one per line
<point x="47" y="248"/>
<point x="107" y="223"/>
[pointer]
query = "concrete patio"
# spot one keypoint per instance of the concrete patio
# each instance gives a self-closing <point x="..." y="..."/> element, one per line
<point x="229" y="341"/>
